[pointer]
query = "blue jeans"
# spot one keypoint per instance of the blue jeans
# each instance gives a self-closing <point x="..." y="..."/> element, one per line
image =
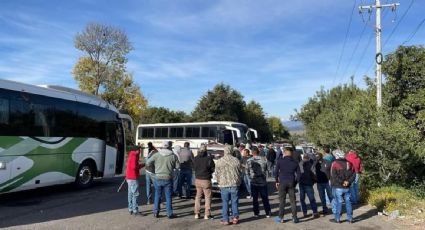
<point x="167" y="187"/>
<point x="340" y="195"/>
<point x="229" y="193"/>
<point x="149" y="181"/>
<point x="247" y="182"/>
<point x="307" y="189"/>
<point x="262" y="191"/>
<point x="185" y="176"/>
<point x="176" y="175"/>
<point x="324" y="192"/>
<point x="133" y="193"/>
<point x="354" y="190"/>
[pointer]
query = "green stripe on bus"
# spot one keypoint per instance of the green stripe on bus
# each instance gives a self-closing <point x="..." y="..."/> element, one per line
<point x="8" y="141"/>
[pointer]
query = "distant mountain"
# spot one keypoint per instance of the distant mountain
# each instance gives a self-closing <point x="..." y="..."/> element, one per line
<point x="294" y="125"/>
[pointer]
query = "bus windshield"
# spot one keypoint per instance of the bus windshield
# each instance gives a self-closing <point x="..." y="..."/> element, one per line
<point x="244" y="131"/>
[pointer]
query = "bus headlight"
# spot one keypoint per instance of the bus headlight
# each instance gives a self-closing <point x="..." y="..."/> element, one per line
<point x="2" y="165"/>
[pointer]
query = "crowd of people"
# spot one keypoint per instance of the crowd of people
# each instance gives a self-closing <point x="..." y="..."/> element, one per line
<point x="169" y="170"/>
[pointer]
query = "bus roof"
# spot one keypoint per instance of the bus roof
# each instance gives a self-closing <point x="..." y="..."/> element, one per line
<point x="57" y="92"/>
<point x="191" y="123"/>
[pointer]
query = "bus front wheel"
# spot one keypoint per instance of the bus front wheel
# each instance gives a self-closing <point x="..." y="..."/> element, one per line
<point x="85" y="175"/>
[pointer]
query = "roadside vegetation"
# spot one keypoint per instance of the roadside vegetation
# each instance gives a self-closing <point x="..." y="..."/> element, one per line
<point x="390" y="140"/>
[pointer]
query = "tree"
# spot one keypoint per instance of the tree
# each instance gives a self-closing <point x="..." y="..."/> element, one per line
<point x="255" y="118"/>
<point x="405" y="86"/>
<point x="123" y="93"/>
<point x="102" y="70"/>
<point x="106" y="48"/>
<point x="163" y="115"/>
<point x="278" y="130"/>
<point x="220" y="104"/>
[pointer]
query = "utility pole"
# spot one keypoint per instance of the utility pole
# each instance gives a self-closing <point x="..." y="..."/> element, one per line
<point x="379" y="57"/>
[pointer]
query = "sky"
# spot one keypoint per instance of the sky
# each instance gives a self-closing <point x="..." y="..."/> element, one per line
<point x="276" y="52"/>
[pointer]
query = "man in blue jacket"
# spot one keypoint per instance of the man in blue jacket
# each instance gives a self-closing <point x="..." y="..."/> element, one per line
<point x="287" y="176"/>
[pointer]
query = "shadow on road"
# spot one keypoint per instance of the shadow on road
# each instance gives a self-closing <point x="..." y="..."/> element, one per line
<point x="60" y="202"/>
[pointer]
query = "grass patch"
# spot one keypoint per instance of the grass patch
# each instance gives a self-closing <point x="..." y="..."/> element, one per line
<point x="393" y="198"/>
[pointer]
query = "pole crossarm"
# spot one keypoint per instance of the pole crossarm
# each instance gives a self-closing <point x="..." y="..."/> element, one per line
<point x="369" y="7"/>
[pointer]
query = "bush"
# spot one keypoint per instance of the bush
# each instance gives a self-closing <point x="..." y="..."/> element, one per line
<point x="391" y="198"/>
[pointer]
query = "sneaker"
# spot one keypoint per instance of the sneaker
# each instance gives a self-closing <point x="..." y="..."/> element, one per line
<point x="334" y="221"/>
<point x="350" y="221"/>
<point x="235" y="220"/>
<point x="172" y="216"/>
<point x="156" y="215"/>
<point x="306" y="215"/>
<point x="316" y="215"/>
<point x="197" y="216"/>
<point x="223" y="222"/>
<point x="295" y="220"/>
<point x="248" y="197"/>
<point x="278" y="219"/>
<point x="208" y="217"/>
<point x="131" y="212"/>
<point x="137" y="214"/>
<point x="268" y="216"/>
<point x="256" y="216"/>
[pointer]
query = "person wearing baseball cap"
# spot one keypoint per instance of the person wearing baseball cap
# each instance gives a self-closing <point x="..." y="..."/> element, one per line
<point x="342" y="176"/>
<point x="165" y="162"/>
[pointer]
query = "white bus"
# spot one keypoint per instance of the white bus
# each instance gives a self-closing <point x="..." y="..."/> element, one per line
<point x="54" y="135"/>
<point x="196" y="133"/>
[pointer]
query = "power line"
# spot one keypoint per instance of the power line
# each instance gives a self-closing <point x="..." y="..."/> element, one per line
<point x="345" y="42"/>
<point x="414" y="32"/>
<point x="354" y="51"/>
<point x="363" y="53"/>
<point x="398" y="22"/>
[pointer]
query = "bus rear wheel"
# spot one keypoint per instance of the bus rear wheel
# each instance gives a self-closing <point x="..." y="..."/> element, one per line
<point x="85" y="175"/>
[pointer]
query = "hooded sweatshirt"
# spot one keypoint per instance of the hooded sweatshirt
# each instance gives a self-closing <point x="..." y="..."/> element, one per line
<point x="228" y="169"/>
<point x="355" y="160"/>
<point x="257" y="169"/>
<point x="203" y="166"/>
<point x="186" y="159"/>
<point x="307" y="177"/>
<point x="133" y="166"/>
<point x="165" y="161"/>
<point x="341" y="170"/>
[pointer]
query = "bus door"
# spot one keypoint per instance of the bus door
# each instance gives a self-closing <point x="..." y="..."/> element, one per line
<point x="111" y="147"/>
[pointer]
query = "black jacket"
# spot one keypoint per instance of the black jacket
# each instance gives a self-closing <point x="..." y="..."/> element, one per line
<point x="204" y="166"/>
<point x="322" y="171"/>
<point x="271" y="155"/>
<point x="308" y="177"/>
<point x="342" y="170"/>
<point x="287" y="170"/>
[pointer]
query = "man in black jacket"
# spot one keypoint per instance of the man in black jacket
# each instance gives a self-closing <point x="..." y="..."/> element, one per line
<point x="323" y="187"/>
<point x="271" y="160"/>
<point x="308" y="178"/>
<point x="342" y="176"/>
<point x="287" y="175"/>
<point x="203" y="166"/>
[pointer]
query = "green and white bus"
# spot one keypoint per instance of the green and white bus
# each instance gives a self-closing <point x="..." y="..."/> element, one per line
<point x="55" y="135"/>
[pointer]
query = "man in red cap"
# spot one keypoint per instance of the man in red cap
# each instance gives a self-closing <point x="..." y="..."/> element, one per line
<point x="355" y="160"/>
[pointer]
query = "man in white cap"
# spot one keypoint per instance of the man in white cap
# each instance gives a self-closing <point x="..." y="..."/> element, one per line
<point x="342" y="176"/>
<point x="165" y="162"/>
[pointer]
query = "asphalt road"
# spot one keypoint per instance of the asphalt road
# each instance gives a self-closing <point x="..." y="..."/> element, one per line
<point x="101" y="207"/>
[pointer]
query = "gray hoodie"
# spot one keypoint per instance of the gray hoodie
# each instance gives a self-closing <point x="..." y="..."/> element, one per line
<point x="165" y="161"/>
